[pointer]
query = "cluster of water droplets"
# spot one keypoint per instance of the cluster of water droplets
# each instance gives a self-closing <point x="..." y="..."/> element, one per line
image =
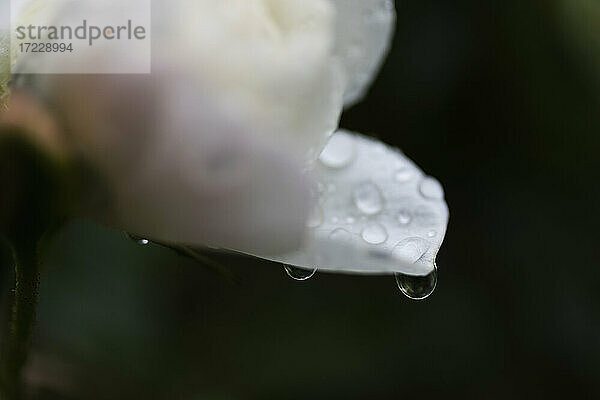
<point x="370" y="219"/>
<point x="414" y="287"/>
<point x="416" y="222"/>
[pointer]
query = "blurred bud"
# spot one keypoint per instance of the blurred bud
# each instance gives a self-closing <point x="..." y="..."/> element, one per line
<point x="580" y="20"/>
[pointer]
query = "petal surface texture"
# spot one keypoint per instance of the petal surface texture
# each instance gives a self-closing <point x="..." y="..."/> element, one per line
<point x="364" y="31"/>
<point x="375" y="212"/>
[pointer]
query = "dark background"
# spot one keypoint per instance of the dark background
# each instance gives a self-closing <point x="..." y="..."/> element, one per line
<point x="497" y="99"/>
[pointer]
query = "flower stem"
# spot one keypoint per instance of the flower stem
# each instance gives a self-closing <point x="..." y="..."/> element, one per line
<point x="18" y="332"/>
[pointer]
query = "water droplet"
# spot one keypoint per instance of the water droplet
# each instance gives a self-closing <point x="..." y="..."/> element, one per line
<point x="334" y="220"/>
<point x="417" y="287"/>
<point x="341" y="235"/>
<point x="138" y="239"/>
<point x="374" y="234"/>
<point x="431" y="233"/>
<point x="368" y="198"/>
<point x="350" y="220"/>
<point x="431" y="189"/>
<point x="411" y="249"/>
<point x="339" y="152"/>
<point x="315" y="218"/>
<point x="404" y="217"/>
<point x="299" y="274"/>
<point x="403" y="175"/>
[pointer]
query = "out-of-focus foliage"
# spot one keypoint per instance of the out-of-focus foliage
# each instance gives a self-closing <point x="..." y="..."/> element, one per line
<point x="581" y="22"/>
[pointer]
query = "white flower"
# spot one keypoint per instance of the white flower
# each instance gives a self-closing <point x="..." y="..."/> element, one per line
<point x="219" y="145"/>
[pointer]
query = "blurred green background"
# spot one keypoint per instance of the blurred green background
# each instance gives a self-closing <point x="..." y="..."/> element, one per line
<point x="500" y="100"/>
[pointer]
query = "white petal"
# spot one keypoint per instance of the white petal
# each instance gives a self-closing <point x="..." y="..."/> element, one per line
<point x="253" y="79"/>
<point x="180" y="167"/>
<point x="376" y="212"/>
<point x="364" y="29"/>
<point x="272" y="59"/>
<point x="237" y="193"/>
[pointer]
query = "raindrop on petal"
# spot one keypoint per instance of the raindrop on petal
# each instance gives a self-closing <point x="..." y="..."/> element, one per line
<point x="339" y="152"/>
<point x="368" y="198"/>
<point x="341" y="235"/>
<point x="403" y="175"/>
<point x="417" y="287"/>
<point x="298" y="274"/>
<point x="404" y="217"/>
<point x="315" y="219"/>
<point x="374" y="234"/>
<point x="431" y="189"/>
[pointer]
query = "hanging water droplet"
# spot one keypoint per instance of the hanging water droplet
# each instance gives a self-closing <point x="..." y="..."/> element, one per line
<point x="431" y="233"/>
<point x="417" y="287"/>
<point x="368" y="198"/>
<point x="374" y="234"/>
<point x="431" y="189"/>
<point x="299" y="274"/>
<point x="138" y="239"/>
<point x="339" y="152"/>
<point x="403" y="175"/>
<point x="404" y="217"/>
